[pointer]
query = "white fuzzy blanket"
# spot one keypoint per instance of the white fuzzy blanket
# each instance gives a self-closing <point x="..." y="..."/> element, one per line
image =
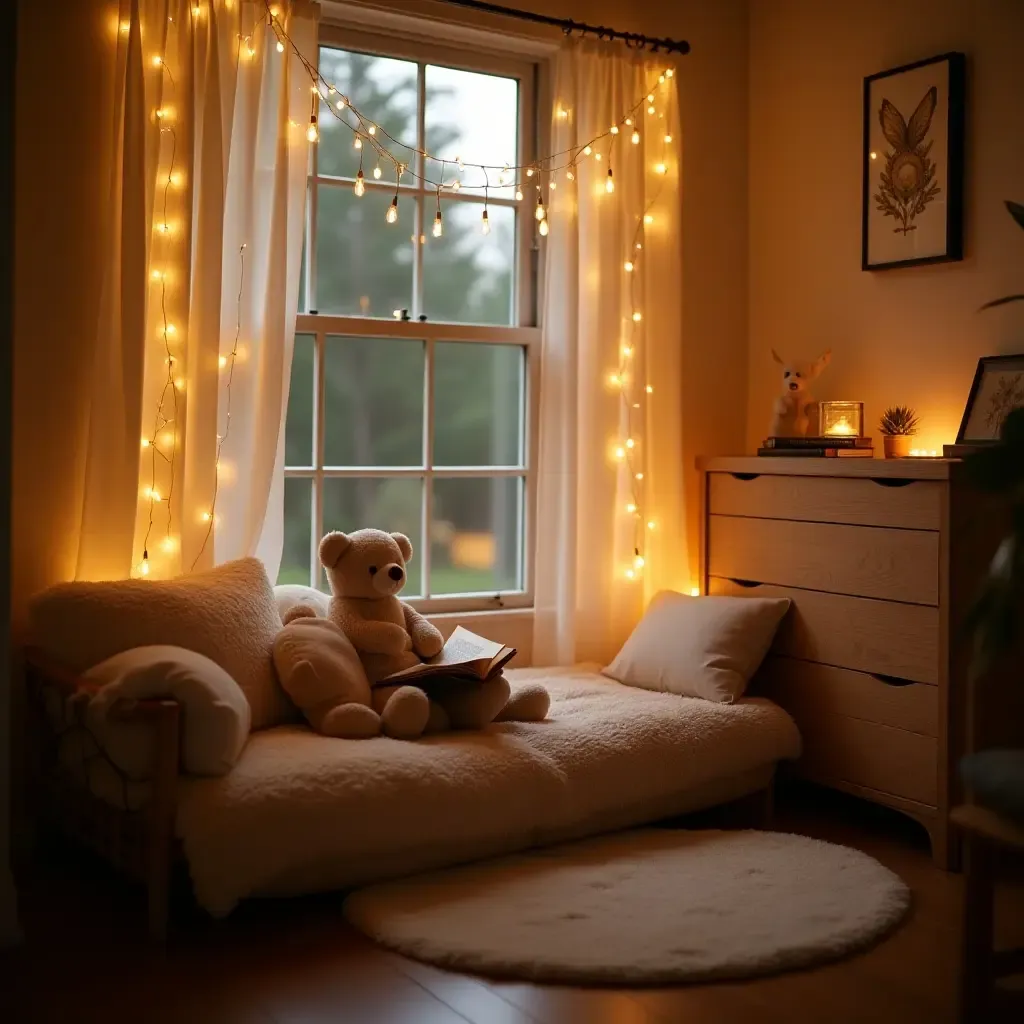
<point x="303" y="813"/>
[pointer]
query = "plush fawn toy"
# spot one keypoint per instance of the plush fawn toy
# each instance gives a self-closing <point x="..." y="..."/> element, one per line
<point x="791" y="412"/>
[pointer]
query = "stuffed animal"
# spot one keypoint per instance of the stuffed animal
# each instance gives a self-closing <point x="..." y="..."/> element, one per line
<point x="366" y="571"/>
<point x="791" y="412"/>
<point x="320" y="670"/>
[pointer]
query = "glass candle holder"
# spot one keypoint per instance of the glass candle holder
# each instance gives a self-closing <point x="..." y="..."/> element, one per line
<point x="842" y="419"/>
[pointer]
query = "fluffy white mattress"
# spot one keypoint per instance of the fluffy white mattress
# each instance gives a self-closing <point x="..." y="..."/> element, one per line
<point x="303" y="813"/>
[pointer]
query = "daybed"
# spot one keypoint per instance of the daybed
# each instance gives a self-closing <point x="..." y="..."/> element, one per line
<point x="301" y="813"/>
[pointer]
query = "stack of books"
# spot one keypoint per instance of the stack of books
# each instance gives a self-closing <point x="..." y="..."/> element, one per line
<point x="835" y="447"/>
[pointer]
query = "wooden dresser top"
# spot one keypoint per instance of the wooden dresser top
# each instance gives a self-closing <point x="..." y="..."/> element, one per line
<point x="879" y="469"/>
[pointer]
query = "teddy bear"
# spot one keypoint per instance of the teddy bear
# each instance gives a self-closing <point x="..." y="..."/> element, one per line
<point x="366" y="571"/>
<point x="321" y="672"/>
<point x="791" y="412"/>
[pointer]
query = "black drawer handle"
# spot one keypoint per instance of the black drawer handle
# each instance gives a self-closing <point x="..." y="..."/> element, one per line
<point x="749" y="584"/>
<point x="745" y="476"/>
<point x="883" y="482"/>
<point x="891" y="680"/>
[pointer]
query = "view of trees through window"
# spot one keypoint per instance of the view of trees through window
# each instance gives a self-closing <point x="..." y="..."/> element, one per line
<point x="371" y="469"/>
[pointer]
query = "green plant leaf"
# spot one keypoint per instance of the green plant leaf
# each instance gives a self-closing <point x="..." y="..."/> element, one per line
<point x="1002" y="302"/>
<point x="1016" y="211"/>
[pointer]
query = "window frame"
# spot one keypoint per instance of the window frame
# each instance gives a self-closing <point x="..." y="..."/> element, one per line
<point x="524" y="333"/>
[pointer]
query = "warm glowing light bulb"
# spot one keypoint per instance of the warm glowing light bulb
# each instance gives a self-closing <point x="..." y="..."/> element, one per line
<point x="650" y="97"/>
<point x="587" y="151"/>
<point x="206" y="517"/>
<point x="168" y="544"/>
<point x="175" y="178"/>
<point x="360" y="186"/>
<point x="540" y="213"/>
<point x="311" y="132"/>
<point x="519" y="194"/>
<point x="438" y="228"/>
<point x="156" y="275"/>
<point x="609" y="182"/>
<point x="569" y="176"/>
<point x="631" y="507"/>
<point x="145" y="442"/>
<point x="125" y="27"/>
<point x="544" y="228"/>
<point x="485" y="223"/>
<point x="620" y="453"/>
<point x="668" y="138"/>
<point x="627" y="350"/>
<point x="552" y="184"/>
<point x="372" y="130"/>
<point x="563" y="114"/>
<point x="358" y="144"/>
<point x="630" y="574"/>
<point x="649" y="389"/>
<point x="637" y="317"/>
<point x="222" y="361"/>
<point x="160" y="113"/>
<point x="660" y="168"/>
<point x="597" y="157"/>
<point x="669" y="73"/>
<point x="639" y="561"/>
<point x="377" y="172"/>
<point x="638" y="476"/>
<point x="529" y="172"/>
<point x="661" y="79"/>
<point x="650" y="110"/>
<point x="170" y="329"/>
<point x="340" y="105"/>
<point x="650" y="524"/>
<point x="630" y="443"/>
<point x="180" y="383"/>
<point x="456" y="185"/>
<point x="392" y="215"/>
<point x="274" y="11"/>
<point x="615" y="380"/>
<point x="157" y="60"/>
<point x="163" y="227"/>
<point x="648" y="218"/>
<point x="628" y="265"/>
<point x="144" y="567"/>
<point x="694" y="591"/>
<point x="635" y="138"/>
<point x="615" y="129"/>
<point x="629" y="120"/>
<point x="874" y="155"/>
<point x="280" y="46"/>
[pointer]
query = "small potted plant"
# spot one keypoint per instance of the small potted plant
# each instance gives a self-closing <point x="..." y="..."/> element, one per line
<point x="898" y="425"/>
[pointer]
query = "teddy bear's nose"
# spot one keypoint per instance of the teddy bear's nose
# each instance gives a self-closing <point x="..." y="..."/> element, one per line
<point x="395" y="573"/>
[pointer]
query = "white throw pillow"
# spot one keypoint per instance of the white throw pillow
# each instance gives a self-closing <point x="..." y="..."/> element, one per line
<point x="215" y="714"/>
<point x="699" y="646"/>
<point x="226" y="613"/>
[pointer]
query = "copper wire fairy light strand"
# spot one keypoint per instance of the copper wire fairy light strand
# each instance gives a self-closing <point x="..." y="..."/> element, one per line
<point x="211" y="515"/>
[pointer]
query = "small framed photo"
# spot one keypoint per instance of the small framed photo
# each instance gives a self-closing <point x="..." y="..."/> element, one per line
<point x="997" y="390"/>
<point x="913" y="164"/>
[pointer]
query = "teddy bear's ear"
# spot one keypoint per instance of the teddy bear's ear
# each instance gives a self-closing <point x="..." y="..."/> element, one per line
<point x="822" y="361"/>
<point x="404" y="545"/>
<point x="778" y="358"/>
<point x="332" y="547"/>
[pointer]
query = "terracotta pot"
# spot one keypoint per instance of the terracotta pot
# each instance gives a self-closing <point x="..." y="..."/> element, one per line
<point x="896" y="446"/>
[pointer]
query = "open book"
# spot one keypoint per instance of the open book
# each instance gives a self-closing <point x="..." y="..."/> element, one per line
<point x="464" y="656"/>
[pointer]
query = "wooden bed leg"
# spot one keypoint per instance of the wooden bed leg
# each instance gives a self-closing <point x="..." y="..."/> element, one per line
<point x="161" y="821"/>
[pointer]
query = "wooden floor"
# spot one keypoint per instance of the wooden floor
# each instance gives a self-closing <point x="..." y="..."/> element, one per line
<point x="296" y="962"/>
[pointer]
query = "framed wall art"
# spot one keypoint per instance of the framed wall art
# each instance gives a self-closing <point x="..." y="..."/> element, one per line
<point x="913" y="164"/>
<point x="997" y="390"/>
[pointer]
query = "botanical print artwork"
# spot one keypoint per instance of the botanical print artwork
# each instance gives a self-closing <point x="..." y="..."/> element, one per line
<point x="912" y="191"/>
<point x="907" y="184"/>
<point x="1007" y="396"/>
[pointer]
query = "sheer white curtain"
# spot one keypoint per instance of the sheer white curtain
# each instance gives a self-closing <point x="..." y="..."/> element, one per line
<point x="209" y="154"/>
<point x="611" y="528"/>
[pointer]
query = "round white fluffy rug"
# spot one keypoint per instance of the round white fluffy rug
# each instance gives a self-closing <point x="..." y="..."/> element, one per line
<point x="654" y="906"/>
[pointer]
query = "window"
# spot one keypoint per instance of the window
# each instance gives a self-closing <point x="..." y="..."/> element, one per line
<point x="412" y="384"/>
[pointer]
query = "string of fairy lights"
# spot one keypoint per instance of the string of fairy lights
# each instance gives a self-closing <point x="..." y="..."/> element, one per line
<point x="416" y="162"/>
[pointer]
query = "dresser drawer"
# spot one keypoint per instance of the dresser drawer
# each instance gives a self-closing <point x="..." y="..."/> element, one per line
<point x="809" y="691"/>
<point x="910" y="504"/>
<point x="891" y="639"/>
<point x="842" y="750"/>
<point x="861" y="561"/>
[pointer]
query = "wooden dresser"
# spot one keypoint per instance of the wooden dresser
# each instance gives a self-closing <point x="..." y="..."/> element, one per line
<point x="881" y="560"/>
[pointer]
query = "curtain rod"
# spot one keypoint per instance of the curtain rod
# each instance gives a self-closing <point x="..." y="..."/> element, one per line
<point x="568" y="26"/>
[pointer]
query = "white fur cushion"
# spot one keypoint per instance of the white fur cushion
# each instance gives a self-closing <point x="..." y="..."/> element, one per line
<point x="215" y="714"/>
<point x="226" y="613"/>
<point x="288" y="595"/>
<point x="699" y="646"/>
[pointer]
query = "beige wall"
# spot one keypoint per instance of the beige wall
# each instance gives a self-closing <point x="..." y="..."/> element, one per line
<point x="908" y="336"/>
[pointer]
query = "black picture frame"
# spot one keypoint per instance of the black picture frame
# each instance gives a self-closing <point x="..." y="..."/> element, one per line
<point x="954" y="179"/>
<point x="986" y="365"/>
